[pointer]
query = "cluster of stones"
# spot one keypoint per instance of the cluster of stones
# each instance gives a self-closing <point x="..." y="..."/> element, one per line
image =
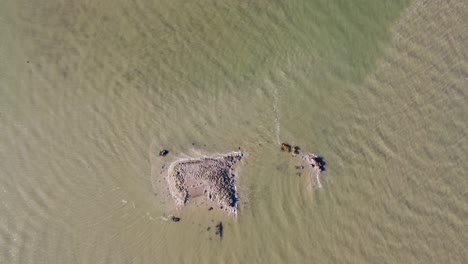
<point x="214" y="174"/>
<point x="288" y="148"/>
<point x="316" y="162"/>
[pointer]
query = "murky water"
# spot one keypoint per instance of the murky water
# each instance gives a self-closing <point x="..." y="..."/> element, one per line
<point x="91" y="91"/>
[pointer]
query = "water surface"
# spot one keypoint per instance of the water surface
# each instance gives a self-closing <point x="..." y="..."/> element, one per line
<point x="90" y="91"/>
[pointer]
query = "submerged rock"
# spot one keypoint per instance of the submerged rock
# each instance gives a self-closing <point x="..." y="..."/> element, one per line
<point x="175" y="219"/>
<point x="219" y="230"/>
<point x="163" y="152"/>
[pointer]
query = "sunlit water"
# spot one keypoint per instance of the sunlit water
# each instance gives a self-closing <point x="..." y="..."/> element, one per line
<point x="91" y="92"/>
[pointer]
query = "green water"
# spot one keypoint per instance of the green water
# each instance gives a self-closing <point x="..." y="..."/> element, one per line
<point x="90" y="91"/>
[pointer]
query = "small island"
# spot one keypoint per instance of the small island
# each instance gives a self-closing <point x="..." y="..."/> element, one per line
<point x="211" y="177"/>
<point x="316" y="162"/>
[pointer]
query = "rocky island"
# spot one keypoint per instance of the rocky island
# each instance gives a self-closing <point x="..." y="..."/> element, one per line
<point x="211" y="177"/>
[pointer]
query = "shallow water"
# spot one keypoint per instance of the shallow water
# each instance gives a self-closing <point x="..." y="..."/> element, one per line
<point x="89" y="92"/>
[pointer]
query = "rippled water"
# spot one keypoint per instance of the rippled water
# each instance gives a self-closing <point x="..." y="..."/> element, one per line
<point x="90" y="91"/>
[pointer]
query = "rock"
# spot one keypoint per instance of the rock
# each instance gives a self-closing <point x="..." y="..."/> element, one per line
<point x="286" y="147"/>
<point x="175" y="219"/>
<point x="219" y="230"/>
<point x="210" y="209"/>
<point x="320" y="162"/>
<point x="163" y="152"/>
<point x="296" y="150"/>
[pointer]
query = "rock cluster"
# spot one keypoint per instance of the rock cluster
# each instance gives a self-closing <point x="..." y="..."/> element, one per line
<point x="316" y="162"/>
<point x="288" y="148"/>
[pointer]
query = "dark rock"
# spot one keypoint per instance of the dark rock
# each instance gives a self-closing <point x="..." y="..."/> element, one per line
<point x="175" y="219"/>
<point x="219" y="230"/>
<point x="210" y="209"/>
<point x="163" y="152"/>
<point x="320" y="161"/>
<point x="209" y="228"/>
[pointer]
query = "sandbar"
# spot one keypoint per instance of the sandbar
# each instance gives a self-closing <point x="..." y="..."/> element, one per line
<point x="317" y="166"/>
<point x="210" y="177"/>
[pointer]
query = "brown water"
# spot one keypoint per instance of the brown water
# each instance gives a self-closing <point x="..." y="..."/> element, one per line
<point x="89" y="91"/>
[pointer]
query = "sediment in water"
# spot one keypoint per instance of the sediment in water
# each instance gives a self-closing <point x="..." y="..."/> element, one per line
<point x="211" y="177"/>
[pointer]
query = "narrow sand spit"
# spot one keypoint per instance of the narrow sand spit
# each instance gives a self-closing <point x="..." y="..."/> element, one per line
<point x="211" y="177"/>
<point x="317" y="165"/>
